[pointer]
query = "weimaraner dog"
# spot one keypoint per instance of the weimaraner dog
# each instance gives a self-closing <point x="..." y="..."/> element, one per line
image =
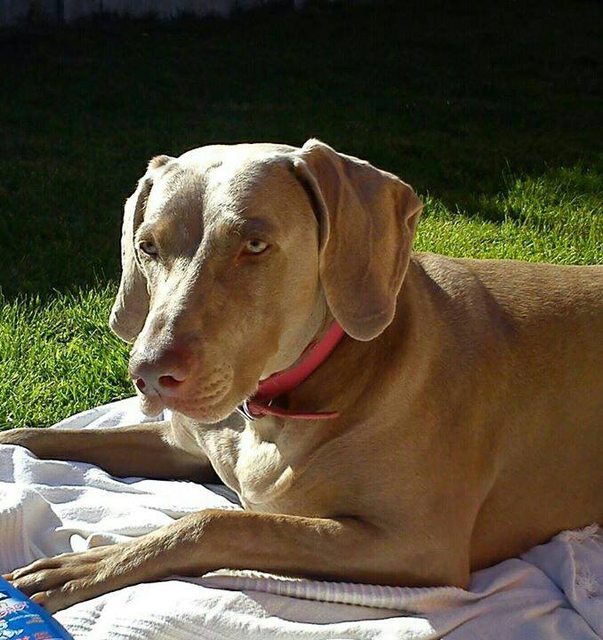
<point x="385" y="417"/>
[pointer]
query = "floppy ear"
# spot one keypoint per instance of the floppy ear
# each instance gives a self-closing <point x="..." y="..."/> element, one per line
<point x="131" y="304"/>
<point x="367" y="220"/>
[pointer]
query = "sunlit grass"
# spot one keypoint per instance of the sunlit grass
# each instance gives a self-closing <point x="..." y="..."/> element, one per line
<point x="556" y="217"/>
<point x="59" y="357"/>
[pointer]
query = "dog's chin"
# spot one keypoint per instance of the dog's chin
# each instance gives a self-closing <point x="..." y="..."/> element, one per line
<point x="150" y="406"/>
<point x="208" y="413"/>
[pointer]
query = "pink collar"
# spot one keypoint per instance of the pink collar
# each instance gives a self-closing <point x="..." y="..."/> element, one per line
<point x="260" y="404"/>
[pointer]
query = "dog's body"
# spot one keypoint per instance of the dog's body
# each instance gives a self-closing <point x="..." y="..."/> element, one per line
<point x="469" y="393"/>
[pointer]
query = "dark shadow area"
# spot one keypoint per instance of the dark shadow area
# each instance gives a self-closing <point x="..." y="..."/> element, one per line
<point x="450" y="96"/>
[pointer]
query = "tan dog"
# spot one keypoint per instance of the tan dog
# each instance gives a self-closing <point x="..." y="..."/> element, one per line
<point x="469" y="393"/>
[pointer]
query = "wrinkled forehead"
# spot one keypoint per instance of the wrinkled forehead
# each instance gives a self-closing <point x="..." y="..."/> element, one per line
<point x="219" y="184"/>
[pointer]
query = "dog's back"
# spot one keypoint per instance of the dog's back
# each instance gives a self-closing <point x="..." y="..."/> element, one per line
<point x="540" y="328"/>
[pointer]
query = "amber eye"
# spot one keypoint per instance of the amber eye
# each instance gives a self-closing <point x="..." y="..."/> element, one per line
<point x="148" y="248"/>
<point x="255" y="246"/>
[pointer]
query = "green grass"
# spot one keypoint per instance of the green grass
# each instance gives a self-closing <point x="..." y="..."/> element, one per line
<point x="58" y="356"/>
<point x="492" y="112"/>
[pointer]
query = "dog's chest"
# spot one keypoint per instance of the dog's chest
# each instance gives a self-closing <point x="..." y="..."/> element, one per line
<point x="249" y="464"/>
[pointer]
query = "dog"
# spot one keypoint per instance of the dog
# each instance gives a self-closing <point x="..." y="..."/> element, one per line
<point x="385" y="417"/>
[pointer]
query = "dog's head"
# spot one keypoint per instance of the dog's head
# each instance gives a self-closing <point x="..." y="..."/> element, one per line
<point x="234" y="257"/>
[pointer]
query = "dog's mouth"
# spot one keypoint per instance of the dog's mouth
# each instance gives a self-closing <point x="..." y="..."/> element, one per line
<point x="200" y="411"/>
<point x="210" y="401"/>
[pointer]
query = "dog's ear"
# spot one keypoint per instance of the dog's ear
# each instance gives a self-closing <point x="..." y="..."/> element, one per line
<point x="367" y="220"/>
<point x="131" y="304"/>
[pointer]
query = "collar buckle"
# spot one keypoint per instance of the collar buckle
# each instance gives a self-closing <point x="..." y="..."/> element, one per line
<point x="243" y="409"/>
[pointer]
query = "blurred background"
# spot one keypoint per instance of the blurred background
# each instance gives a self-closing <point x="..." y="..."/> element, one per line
<point x="492" y="111"/>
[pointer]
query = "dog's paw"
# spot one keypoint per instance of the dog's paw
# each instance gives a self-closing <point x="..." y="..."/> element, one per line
<point x="59" y="582"/>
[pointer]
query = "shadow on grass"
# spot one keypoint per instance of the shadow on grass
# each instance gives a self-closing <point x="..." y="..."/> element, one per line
<point x="455" y="100"/>
<point x="545" y="201"/>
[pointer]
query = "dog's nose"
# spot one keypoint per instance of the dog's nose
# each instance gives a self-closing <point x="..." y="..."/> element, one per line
<point x="161" y="373"/>
<point x="167" y="382"/>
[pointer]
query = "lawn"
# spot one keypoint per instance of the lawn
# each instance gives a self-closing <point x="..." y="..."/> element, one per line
<point x="493" y="113"/>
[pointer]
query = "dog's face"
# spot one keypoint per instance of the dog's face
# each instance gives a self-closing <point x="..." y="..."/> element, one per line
<point x="235" y="256"/>
<point x="228" y="248"/>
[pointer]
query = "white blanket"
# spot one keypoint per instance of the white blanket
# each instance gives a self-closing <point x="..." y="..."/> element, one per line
<point x="49" y="507"/>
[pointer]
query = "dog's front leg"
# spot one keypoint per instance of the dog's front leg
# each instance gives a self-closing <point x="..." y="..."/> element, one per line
<point x="146" y="449"/>
<point x="337" y="549"/>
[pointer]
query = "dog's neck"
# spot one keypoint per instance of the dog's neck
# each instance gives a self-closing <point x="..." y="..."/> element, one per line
<point x="283" y="382"/>
<point x="355" y="367"/>
<point x="339" y="384"/>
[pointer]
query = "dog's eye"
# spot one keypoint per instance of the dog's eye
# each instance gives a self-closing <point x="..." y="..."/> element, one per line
<point x="148" y="248"/>
<point x="255" y="246"/>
